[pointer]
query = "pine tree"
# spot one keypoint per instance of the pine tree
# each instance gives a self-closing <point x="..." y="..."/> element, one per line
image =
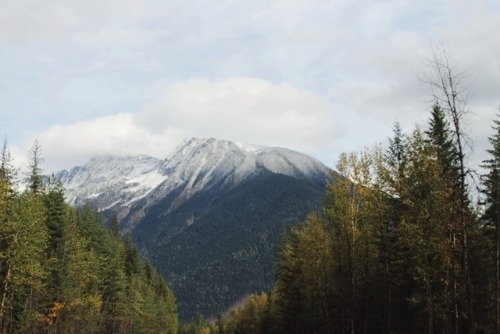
<point x="303" y="278"/>
<point x="424" y="232"/>
<point x="7" y="200"/>
<point x="56" y="221"/>
<point x="385" y="207"/>
<point x="7" y="180"/>
<point x="132" y="257"/>
<point x="289" y="307"/>
<point x="62" y="272"/>
<point x="397" y="149"/>
<point x="35" y="170"/>
<point x="114" y="226"/>
<point x="79" y="291"/>
<point x="491" y="184"/>
<point x="26" y="240"/>
<point x="440" y="137"/>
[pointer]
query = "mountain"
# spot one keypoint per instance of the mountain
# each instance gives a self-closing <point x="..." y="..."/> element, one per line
<point x="209" y="216"/>
<point x="108" y="182"/>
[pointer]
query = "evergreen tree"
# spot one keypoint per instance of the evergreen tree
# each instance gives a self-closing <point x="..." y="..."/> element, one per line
<point x="7" y="180"/>
<point x="56" y="209"/>
<point x="132" y="257"/>
<point x="303" y="280"/>
<point x="114" y="226"/>
<point x="440" y="137"/>
<point x="79" y="292"/>
<point x="491" y="183"/>
<point x="115" y="289"/>
<point x="26" y="238"/>
<point x="35" y="170"/>
<point x="249" y="318"/>
<point x="7" y="198"/>
<point x="61" y="272"/>
<point x="423" y="234"/>
<point x="397" y="149"/>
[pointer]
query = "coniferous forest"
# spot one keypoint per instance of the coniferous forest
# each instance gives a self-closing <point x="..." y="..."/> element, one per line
<point x="62" y="271"/>
<point x="401" y="245"/>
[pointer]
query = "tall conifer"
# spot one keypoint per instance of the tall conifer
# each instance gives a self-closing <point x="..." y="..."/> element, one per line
<point x="491" y="182"/>
<point x="35" y="170"/>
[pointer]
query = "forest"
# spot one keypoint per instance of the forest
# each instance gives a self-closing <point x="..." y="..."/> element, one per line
<point x="407" y="241"/>
<point x="63" y="271"/>
<point x="404" y="243"/>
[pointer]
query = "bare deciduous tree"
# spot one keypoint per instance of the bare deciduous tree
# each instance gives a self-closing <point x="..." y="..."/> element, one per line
<point x="450" y="88"/>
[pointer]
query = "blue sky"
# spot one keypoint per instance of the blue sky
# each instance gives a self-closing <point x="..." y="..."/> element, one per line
<point x="89" y="77"/>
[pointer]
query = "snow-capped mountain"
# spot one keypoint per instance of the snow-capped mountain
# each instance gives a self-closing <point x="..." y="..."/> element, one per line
<point x="111" y="181"/>
<point x="208" y="215"/>
<point x="196" y="164"/>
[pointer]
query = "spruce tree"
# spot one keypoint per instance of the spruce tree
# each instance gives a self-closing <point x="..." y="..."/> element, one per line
<point x="56" y="222"/>
<point x="35" y="170"/>
<point x="491" y="184"/>
<point x="423" y="235"/>
<point x="439" y="134"/>
<point x="7" y="177"/>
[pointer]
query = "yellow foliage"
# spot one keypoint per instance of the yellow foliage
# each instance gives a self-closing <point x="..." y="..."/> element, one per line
<point x="53" y="313"/>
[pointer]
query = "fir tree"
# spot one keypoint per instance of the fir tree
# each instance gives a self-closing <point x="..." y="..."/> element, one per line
<point x="491" y="183"/>
<point x="35" y="170"/>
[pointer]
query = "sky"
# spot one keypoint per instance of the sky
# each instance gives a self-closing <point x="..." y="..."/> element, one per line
<point x="127" y="77"/>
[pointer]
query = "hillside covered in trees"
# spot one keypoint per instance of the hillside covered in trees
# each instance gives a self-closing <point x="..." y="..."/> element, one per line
<point x="62" y="271"/>
<point x="400" y="245"/>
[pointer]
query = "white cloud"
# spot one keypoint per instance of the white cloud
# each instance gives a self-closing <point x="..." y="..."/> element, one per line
<point x="304" y="74"/>
<point x="35" y="20"/>
<point x="241" y="109"/>
<point x="244" y="109"/>
<point x="65" y="146"/>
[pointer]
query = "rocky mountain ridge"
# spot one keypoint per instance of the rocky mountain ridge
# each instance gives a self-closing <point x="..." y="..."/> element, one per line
<point x="197" y="164"/>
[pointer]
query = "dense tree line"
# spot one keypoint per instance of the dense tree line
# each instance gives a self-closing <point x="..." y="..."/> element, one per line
<point x="231" y="249"/>
<point x="399" y="246"/>
<point x="386" y="254"/>
<point x="62" y="271"/>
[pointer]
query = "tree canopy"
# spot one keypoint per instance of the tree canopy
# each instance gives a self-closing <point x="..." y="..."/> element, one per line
<point x="61" y="271"/>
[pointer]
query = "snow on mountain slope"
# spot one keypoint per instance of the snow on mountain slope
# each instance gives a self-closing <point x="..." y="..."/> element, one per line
<point x="199" y="164"/>
<point x="196" y="164"/>
<point x="202" y="160"/>
<point x="111" y="181"/>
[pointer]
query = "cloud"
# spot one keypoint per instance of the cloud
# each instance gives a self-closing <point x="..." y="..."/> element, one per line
<point x="35" y="20"/>
<point x="244" y="109"/>
<point x="65" y="146"/>
<point x="313" y="75"/>
<point x="240" y="109"/>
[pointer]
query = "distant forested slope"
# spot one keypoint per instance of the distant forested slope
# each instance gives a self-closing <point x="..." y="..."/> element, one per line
<point x="222" y="245"/>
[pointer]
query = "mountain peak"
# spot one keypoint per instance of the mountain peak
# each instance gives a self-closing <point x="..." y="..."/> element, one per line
<point x="208" y="197"/>
<point x="194" y="165"/>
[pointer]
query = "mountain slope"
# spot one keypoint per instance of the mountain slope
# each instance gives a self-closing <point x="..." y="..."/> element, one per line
<point x="229" y="250"/>
<point x="111" y="181"/>
<point x="209" y="216"/>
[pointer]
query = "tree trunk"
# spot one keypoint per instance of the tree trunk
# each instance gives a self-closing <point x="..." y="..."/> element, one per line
<point x="4" y="297"/>
<point x="450" y="88"/>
